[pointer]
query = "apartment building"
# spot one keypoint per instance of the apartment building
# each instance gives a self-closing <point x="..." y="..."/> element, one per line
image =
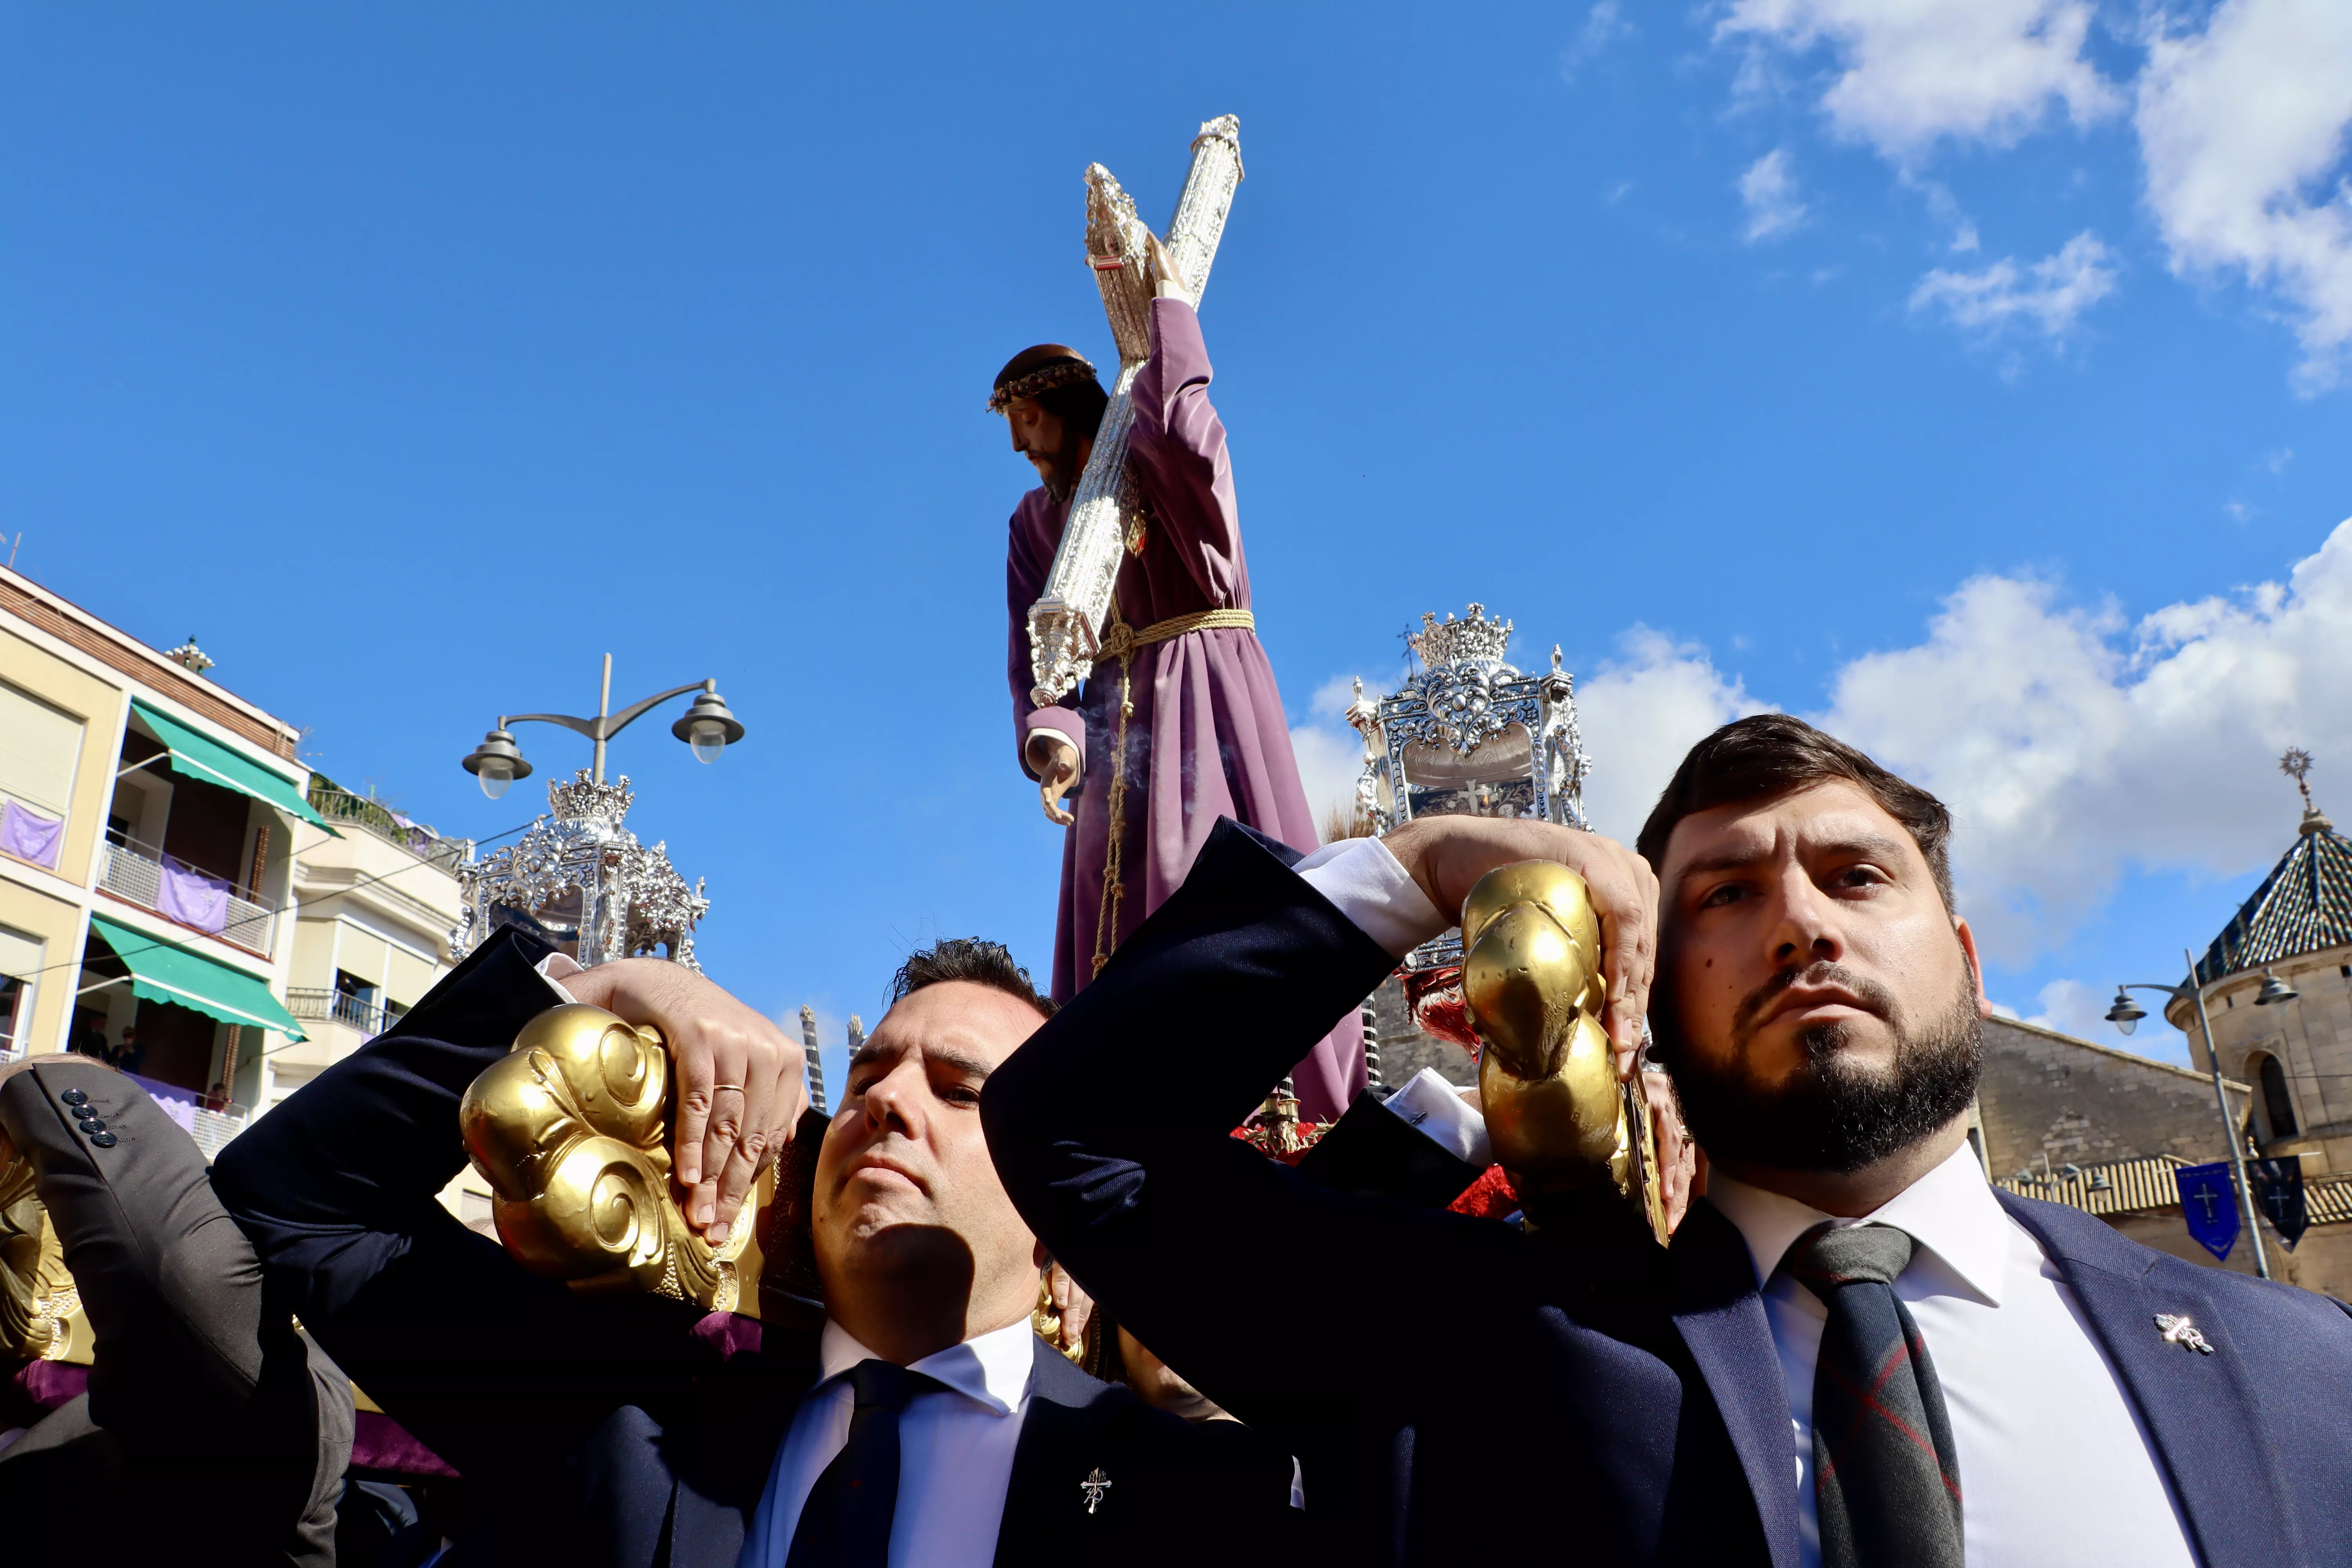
<point x="171" y="897"/>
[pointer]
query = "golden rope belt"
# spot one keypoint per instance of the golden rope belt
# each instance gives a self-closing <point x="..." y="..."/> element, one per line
<point x="1120" y="645"/>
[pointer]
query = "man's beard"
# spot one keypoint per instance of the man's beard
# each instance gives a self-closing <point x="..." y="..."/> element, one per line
<point x="1060" y="471"/>
<point x="1830" y="1115"/>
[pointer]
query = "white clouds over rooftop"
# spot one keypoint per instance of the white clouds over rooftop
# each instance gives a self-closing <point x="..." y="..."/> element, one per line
<point x="2072" y="744"/>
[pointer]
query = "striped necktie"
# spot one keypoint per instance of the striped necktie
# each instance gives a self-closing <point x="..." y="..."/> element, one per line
<point x="1887" y="1480"/>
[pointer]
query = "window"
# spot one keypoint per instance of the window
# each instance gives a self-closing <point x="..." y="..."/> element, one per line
<point x="2274" y="1099"/>
<point x="20" y="964"/>
<point x="39" y="749"/>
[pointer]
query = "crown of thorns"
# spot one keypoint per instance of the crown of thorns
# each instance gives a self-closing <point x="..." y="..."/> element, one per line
<point x="1061" y="372"/>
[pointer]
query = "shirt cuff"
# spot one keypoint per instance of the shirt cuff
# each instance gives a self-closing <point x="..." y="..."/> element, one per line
<point x="557" y="968"/>
<point x="1436" y="1106"/>
<point x="1366" y="884"/>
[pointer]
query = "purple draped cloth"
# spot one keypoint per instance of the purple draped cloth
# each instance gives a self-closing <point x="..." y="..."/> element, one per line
<point x="29" y="835"/>
<point x="193" y="897"/>
<point x="1208" y="738"/>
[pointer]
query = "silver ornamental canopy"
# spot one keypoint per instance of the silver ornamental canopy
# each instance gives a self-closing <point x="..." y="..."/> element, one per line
<point x="1468" y="735"/>
<point x="580" y="879"/>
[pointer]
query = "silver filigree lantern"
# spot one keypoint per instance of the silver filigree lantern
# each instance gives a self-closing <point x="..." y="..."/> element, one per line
<point x="581" y="880"/>
<point x="1468" y="735"/>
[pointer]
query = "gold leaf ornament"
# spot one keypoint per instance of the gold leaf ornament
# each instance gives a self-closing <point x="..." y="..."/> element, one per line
<point x="571" y="1130"/>
<point x="1557" y="1117"/>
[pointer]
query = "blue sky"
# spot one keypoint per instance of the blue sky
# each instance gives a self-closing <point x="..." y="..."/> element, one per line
<point x="1956" y="371"/>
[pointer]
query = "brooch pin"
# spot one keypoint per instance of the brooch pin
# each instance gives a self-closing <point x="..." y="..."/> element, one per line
<point x="2180" y="1331"/>
<point x="1094" y="1485"/>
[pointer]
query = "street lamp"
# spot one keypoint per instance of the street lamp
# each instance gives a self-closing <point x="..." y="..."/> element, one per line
<point x="2126" y="1016"/>
<point x="709" y="728"/>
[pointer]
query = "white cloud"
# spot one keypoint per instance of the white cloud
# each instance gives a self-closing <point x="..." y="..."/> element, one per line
<point x="1915" y="72"/>
<point x="1329" y="762"/>
<point x="2080" y="1009"/>
<point x="1604" y="25"/>
<point x="2048" y="295"/>
<point x="2243" y="129"/>
<point x="1640" y="714"/>
<point x="1768" y="192"/>
<point x="2072" y="746"/>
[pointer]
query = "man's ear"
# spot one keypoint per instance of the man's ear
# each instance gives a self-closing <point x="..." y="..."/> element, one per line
<point x="1976" y="966"/>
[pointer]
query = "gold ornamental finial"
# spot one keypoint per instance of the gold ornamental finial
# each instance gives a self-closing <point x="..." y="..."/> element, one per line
<point x="1559" y="1121"/>
<point x="2296" y="765"/>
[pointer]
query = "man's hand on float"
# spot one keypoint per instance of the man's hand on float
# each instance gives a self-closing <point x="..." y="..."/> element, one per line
<point x="1167" y="282"/>
<point x="740" y="1083"/>
<point x="1447" y="855"/>
<point x="1056" y="761"/>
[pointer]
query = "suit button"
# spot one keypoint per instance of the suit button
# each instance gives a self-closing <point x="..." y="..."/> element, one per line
<point x="92" y="1125"/>
<point x="104" y="1139"/>
<point x="74" y="1096"/>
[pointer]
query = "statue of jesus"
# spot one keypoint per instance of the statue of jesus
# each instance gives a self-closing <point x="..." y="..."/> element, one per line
<point x="1180" y="722"/>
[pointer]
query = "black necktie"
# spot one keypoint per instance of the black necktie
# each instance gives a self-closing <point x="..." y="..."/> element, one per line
<point x="1886" y="1481"/>
<point x="845" y="1524"/>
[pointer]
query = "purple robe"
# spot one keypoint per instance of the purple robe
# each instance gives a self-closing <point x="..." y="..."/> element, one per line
<point x="1207" y="738"/>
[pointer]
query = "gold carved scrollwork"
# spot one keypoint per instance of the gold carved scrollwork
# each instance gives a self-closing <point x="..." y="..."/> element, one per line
<point x="41" y="1318"/>
<point x="571" y="1130"/>
<point x="1558" y="1120"/>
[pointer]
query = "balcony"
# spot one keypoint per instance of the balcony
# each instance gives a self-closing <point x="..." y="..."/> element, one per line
<point x="370" y="1018"/>
<point x="342" y="807"/>
<point x="136" y="873"/>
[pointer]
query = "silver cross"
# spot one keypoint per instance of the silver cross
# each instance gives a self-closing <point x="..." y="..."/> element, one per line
<point x="1094" y="1485"/>
<point x="2180" y="1331"/>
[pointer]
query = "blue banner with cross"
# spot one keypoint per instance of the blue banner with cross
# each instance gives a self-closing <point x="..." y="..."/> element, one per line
<point x="2208" y="1203"/>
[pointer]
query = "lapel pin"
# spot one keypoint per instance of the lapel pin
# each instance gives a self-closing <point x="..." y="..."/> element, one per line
<point x="2180" y="1331"/>
<point x="1095" y="1485"/>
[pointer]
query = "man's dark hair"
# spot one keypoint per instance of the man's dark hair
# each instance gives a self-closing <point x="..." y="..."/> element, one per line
<point x="1079" y="406"/>
<point x="1767" y="755"/>
<point x="967" y="958"/>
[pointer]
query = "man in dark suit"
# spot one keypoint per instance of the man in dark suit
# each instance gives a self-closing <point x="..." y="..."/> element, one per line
<point x="926" y="1424"/>
<point x="210" y="1431"/>
<point x="1855" y="1352"/>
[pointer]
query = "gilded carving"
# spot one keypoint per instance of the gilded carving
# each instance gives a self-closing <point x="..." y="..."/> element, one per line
<point x="571" y="1131"/>
<point x="1560" y="1121"/>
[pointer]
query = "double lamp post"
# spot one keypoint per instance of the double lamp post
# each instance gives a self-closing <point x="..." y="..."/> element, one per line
<point x="2126" y="1016"/>
<point x="708" y="727"/>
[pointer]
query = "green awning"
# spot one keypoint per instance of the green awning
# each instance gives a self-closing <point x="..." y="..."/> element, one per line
<point x="160" y="972"/>
<point x="210" y="760"/>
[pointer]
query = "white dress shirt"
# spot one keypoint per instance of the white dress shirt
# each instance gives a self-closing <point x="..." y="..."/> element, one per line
<point x="955" y="1451"/>
<point x="2055" y="1464"/>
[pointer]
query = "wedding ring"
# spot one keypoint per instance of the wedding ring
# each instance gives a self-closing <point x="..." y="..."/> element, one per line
<point x="723" y="1087"/>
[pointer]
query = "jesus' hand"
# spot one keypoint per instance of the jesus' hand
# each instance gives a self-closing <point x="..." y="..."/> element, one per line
<point x="1447" y="855"/>
<point x="1167" y="282"/>
<point x="1056" y="761"/>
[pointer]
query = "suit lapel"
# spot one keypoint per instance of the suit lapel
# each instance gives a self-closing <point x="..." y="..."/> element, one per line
<point x="1042" y="1497"/>
<point x="2197" y="1410"/>
<point x="1714" y="1300"/>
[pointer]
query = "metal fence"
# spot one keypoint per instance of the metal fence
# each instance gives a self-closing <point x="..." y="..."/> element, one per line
<point x="370" y="1018"/>
<point x="134" y="872"/>
<point x="341" y="806"/>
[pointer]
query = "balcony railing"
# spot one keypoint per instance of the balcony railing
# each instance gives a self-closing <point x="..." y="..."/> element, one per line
<point x="370" y="1018"/>
<point x="341" y="806"/>
<point x="134" y="872"/>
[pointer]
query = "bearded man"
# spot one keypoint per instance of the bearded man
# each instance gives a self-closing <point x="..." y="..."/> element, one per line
<point x="1188" y="726"/>
<point x="1856" y="1353"/>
